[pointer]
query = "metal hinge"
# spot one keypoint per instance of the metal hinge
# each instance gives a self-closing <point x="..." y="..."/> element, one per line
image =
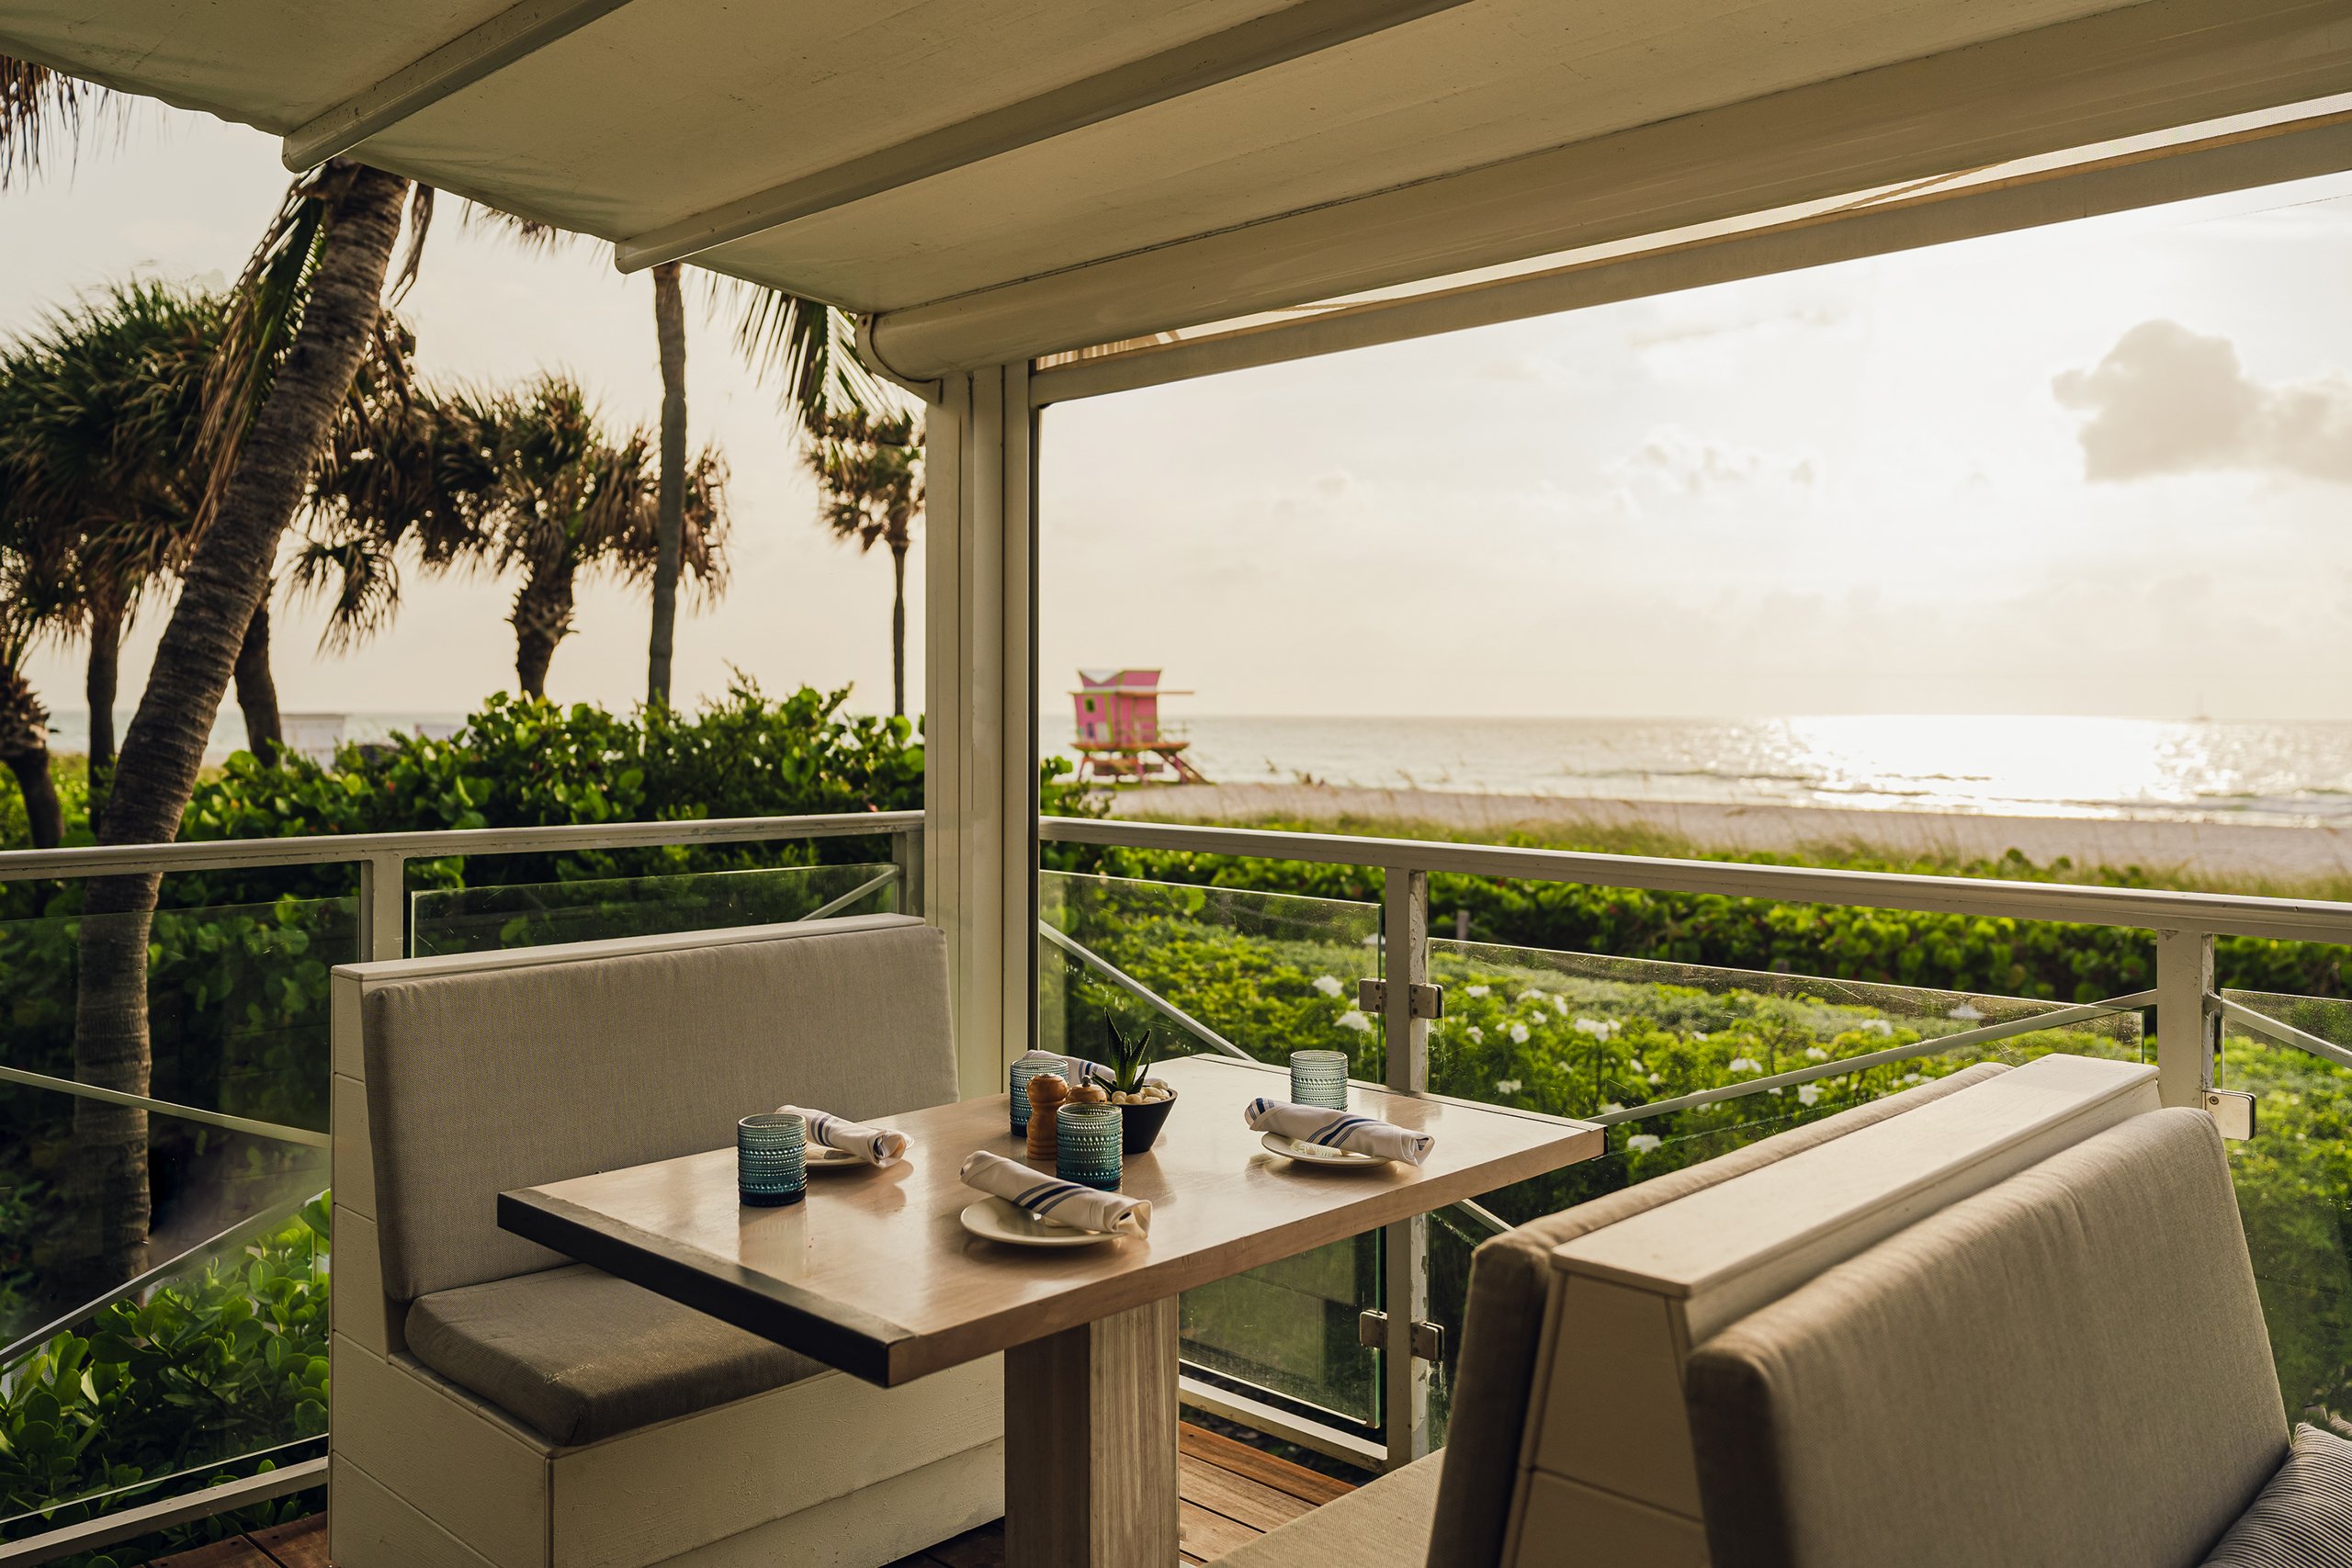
<point x="2232" y="1111"/>
<point x="1429" y="1001"/>
<point x="1429" y="1339"/>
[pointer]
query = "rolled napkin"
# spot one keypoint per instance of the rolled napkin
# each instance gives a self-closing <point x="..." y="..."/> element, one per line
<point x="1081" y="1069"/>
<point x="874" y="1145"/>
<point x="1049" y="1197"/>
<point x="1337" y="1130"/>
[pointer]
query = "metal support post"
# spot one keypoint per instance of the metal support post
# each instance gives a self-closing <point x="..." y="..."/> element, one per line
<point x="383" y="899"/>
<point x="1405" y="965"/>
<point x="2188" y="1026"/>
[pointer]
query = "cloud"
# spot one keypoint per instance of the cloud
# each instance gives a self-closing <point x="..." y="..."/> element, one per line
<point x="2169" y="401"/>
<point x="1675" y="460"/>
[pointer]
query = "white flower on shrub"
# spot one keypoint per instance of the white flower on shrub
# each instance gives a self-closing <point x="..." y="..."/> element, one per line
<point x="1560" y="1005"/>
<point x="1699" y="1034"/>
<point x="1599" y="1028"/>
<point x="1477" y="1032"/>
<point x="1355" y="1020"/>
<point x="1911" y="1077"/>
<point x="1612" y="1109"/>
<point x="1329" y="985"/>
<point x="1519" y="1034"/>
<point x="1878" y="1026"/>
<point x="1744" y="1064"/>
<point x="1816" y="1053"/>
<point x="1530" y="994"/>
<point x="1807" y="1093"/>
<point x="1507" y="1086"/>
<point x="1478" y="990"/>
<point x="1642" y="1143"/>
<point x="1657" y="1077"/>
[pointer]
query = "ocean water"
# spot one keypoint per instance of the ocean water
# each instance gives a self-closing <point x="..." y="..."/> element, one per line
<point x="2002" y="764"/>
<point x="2005" y="764"/>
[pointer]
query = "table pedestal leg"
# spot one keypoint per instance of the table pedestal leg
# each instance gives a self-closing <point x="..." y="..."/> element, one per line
<point x="1089" y="1444"/>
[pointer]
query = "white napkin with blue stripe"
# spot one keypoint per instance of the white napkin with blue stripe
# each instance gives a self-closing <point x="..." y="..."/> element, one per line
<point x="1065" y="1203"/>
<point x="874" y="1145"/>
<point x="1338" y="1130"/>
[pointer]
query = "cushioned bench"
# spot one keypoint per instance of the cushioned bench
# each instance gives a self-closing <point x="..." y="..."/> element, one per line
<point x="495" y="1402"/>
<point x="2008" y="1318"/>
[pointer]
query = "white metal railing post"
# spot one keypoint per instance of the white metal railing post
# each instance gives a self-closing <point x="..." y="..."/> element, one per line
<point x="2187" y="1023"/>
<point x="1404" y="1288"/>
<point x="906" y="853"/>
<point x="383" y="879"/>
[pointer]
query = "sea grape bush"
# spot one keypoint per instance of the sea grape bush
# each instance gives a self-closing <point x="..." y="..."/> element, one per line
<point x="205" y="1369"/>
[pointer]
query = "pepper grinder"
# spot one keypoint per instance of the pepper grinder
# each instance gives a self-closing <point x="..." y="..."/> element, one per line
<point x="1046" y="1092"/>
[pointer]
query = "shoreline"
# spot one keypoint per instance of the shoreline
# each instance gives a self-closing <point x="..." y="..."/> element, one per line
<point x="2205" y="849"/>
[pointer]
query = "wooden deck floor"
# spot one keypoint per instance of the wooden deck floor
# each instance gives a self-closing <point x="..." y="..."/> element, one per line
<point x="1231" y="1493"/>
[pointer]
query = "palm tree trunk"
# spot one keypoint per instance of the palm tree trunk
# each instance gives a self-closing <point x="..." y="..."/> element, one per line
<point x="898" y="628"/>
<point x="669" y="520"/>
<point x="542" y="618"/>
<point x="100" y="684"/>
<point x="256" y="689"/>
<point x="164" y="748"/>
<point x="24" y="749"/>
<point x="101" y="679"/>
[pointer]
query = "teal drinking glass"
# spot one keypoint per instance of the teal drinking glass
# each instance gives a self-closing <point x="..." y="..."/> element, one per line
<point x="1319" y="1079"/>
<point x="1025" y="1068"/>
<point x="1087" y="1146"/>
<point x="771" y="1156"/>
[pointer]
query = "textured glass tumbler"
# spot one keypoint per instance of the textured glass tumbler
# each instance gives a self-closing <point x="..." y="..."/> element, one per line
<point x="771" y="1152"/>
<point x="1024" y="1069"/>
<point x="1319" y="1079"/>
<point x="1087" y="1146"/>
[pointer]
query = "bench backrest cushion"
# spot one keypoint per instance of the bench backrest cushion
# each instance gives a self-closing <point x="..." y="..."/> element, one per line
<point x="481" y="1082"/>
<point x="2070" y="1367"/>
<point x="1510" y="1280"/>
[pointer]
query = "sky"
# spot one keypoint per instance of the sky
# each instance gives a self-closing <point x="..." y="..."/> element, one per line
<point x="2100" y="469"/>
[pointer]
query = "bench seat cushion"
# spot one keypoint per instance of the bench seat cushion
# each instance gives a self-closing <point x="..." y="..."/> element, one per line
<point x="2068" y="1367"/>
<point x="581" y="1356"/>
<point x="1383" y="1525"/>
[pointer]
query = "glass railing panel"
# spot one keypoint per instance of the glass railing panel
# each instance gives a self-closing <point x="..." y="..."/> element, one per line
<point x="216" y="1367"/>
<point x="1271" y="974"/>
<point x="236" y="1014"/>
<point x="1581" y="1035"/>
<point x="2294" y="1187"/>
<point x="483" y="919"/>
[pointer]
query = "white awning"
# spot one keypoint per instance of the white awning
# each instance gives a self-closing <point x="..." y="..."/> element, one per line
<point x="995" y="179"/>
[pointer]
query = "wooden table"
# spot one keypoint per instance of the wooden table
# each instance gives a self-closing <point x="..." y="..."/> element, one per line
<point x="874" y="1274"/>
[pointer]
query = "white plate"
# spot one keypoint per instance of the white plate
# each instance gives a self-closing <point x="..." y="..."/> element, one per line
<point x="993" y="1219"/>
<point x="1316" y="1154"/>
<point x="816" y="1154"/>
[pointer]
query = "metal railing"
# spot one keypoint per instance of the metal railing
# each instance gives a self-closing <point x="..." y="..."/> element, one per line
<point x="2185" y="924"/>
<point x="381" y="861"/>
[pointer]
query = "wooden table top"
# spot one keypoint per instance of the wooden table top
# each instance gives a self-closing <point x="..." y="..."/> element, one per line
<point x="875" y="1274"/>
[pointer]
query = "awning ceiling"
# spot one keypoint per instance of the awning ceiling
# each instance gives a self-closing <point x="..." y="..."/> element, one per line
<point x="997" y="178"/>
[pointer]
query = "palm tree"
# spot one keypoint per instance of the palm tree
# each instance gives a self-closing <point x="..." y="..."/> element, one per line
<point x="306" y="305"/>
<point x="522" y="479"/>
<point x="99" y="411"/>
<point x="869" y="486"/>
<point x="807" y="347"/>
<point x="564" y="500"/>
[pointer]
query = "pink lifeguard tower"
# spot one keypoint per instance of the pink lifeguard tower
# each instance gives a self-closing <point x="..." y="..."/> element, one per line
<point x="1119" y="735"/>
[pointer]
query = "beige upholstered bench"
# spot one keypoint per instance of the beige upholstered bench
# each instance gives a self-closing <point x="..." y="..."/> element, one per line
<point x="2006" y="1317"/>
<point x="497" y="1405"/>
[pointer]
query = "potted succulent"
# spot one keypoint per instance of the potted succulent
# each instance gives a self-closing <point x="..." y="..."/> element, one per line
<point x="1143" y="1100"/>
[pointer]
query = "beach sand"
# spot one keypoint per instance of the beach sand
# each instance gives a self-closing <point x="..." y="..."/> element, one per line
<point x="2203" y="850"/>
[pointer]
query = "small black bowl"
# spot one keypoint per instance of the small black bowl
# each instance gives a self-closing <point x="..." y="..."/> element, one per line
<point x="1140" y="1126"/>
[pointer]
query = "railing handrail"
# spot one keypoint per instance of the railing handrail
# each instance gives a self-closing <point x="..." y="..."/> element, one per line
<point x="2288" y="919"/>
<point x="331" y="849"/>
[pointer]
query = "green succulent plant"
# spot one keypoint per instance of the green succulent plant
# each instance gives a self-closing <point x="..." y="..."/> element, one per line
<point x="1129" y="1056"/>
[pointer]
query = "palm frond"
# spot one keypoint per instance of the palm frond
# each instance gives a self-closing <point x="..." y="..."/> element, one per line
<point x="807" y="350"/>
<point x="38" y="105"/>
<point x="528" y="233"/>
